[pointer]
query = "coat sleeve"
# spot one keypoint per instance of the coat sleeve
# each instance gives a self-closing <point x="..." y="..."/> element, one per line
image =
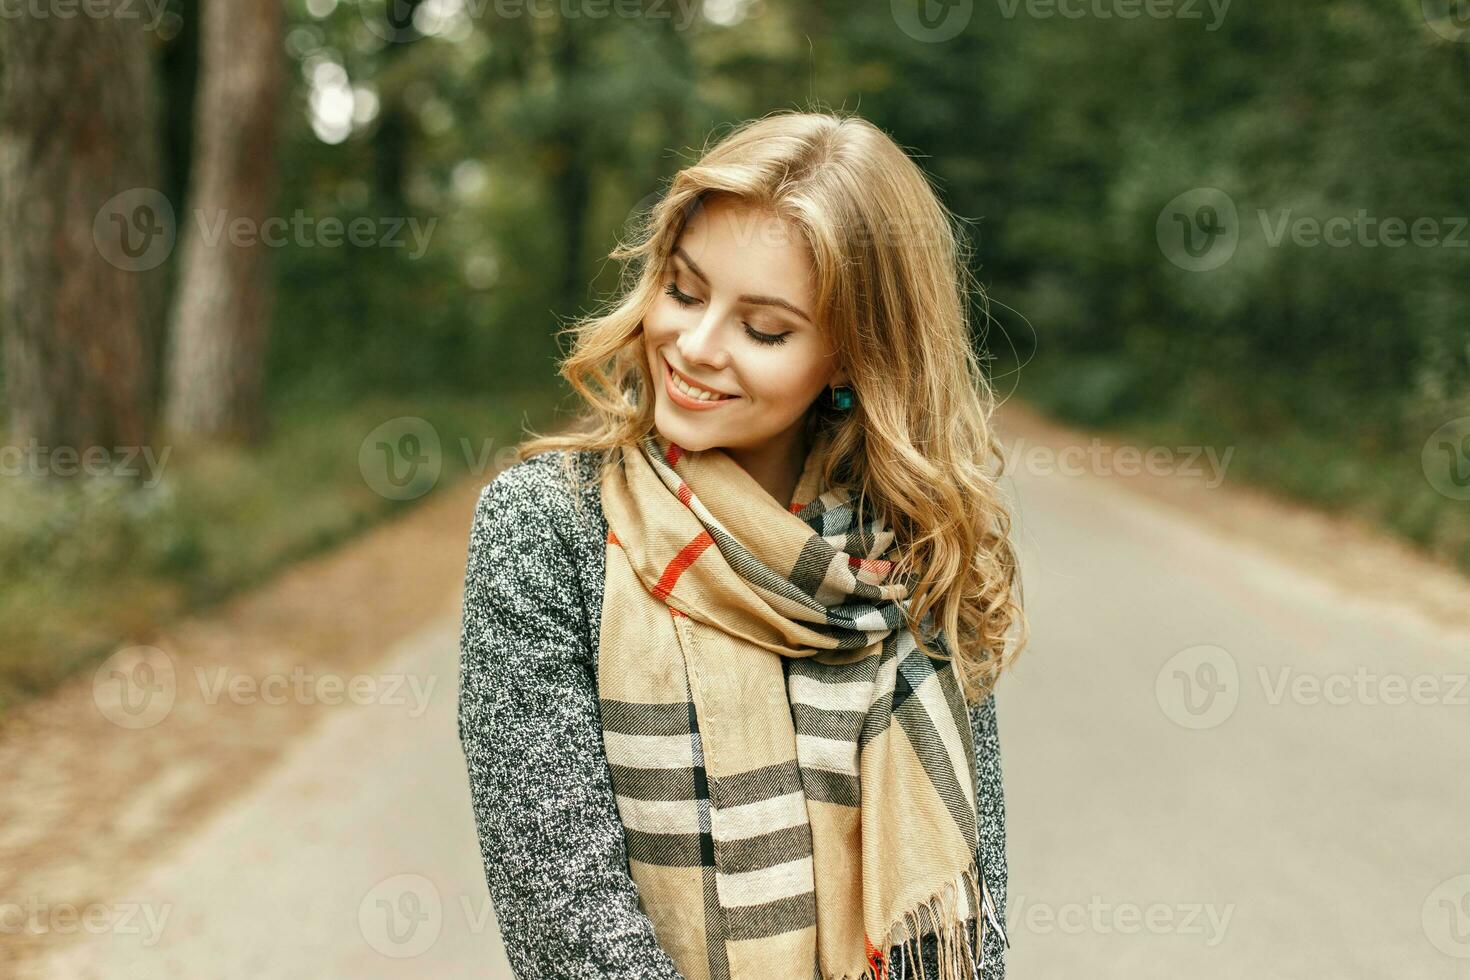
<point x="991" y="804"/>
<point x="541" y="790"/>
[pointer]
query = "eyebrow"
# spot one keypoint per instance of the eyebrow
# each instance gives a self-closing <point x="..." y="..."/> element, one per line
<point x="747" y="298"/>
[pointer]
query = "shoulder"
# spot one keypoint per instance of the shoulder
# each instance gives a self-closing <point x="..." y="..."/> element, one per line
<point x="547" y="506"/>
<point x="537" y="480"/>
<point x="539" y="489"/>
<point x="525" y="551"/>
<point x="548" y="479"/>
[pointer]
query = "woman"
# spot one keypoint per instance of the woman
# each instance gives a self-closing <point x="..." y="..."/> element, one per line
<point x="729" y="645"/>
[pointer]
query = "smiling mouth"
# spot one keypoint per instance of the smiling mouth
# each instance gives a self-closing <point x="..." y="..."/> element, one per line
<point x="688" y="394"/>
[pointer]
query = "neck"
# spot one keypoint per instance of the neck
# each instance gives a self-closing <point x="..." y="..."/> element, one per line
<point x="777" y="464"/>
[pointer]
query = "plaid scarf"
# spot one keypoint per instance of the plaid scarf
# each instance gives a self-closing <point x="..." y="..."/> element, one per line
<point x="794" y="778"/>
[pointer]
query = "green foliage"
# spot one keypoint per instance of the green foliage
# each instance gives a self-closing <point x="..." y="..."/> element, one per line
<point x="93" y="564"/>
<point x="1059" y="139"/>
<point x="1315" y="111"/>
<point x="496" y="159"/>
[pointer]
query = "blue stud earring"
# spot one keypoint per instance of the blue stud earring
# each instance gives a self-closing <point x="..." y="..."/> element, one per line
<point x="843" y="397"/>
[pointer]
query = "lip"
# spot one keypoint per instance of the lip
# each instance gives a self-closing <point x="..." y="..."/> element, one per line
<point x="683" y="400"/>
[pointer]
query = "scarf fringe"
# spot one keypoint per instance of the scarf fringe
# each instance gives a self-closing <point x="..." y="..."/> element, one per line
<point x="939" y="914"/>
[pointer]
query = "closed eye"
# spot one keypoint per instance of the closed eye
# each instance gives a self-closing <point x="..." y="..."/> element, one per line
<point x="683" y="299"/>
<point x="673" y="291"/>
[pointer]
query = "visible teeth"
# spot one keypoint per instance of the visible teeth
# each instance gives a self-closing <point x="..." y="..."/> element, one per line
<point x="694" y="392"/>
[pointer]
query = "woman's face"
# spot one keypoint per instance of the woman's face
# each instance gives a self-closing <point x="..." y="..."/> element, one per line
<point x="735" y="319"/>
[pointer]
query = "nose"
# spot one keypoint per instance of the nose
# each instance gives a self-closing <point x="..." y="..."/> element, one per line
<point x="703" y="342"/>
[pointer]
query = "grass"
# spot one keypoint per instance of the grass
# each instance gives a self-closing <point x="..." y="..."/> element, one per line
<point x="90" y="565"/>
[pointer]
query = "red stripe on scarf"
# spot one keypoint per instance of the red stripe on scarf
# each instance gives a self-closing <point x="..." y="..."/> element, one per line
<point x="875" y="958"/>
<point x="683" y="560"/>
<point x="674" y="452"/>
<point x="879" y="567"/>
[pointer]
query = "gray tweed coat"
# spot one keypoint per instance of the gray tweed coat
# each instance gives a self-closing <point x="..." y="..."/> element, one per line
<point x="540" y="784"/>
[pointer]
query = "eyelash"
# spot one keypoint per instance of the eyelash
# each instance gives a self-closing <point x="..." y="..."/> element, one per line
<point x="770" y="340"/>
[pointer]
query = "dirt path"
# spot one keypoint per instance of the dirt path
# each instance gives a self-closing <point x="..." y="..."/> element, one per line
<point x="279" y="836"/>
<point x="88" y="804"/>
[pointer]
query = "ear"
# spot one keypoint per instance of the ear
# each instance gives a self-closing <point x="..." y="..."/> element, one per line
<point x="839" y="377"/>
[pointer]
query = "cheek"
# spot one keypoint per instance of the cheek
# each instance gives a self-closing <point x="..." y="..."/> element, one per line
<point x="779" y="375"/>
<point x="660" y="326"/>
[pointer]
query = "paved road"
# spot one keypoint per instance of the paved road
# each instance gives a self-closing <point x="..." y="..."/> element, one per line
<point x="1294" y="823"/>
<point x="1206" y="778"/>
<point x="357" y="858"/>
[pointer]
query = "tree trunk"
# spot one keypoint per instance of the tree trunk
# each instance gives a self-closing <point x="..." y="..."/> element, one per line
<point x="393" y="136"/>
<point x="571" y="178"/>
<point x="83" y="229"/>
<point x="222" y="311"/>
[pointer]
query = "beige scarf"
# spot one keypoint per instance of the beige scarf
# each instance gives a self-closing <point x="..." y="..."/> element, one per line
<point x="795" y="779"/>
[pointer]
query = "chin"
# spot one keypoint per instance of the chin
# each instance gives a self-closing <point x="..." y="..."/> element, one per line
<point x="693" y="438"/>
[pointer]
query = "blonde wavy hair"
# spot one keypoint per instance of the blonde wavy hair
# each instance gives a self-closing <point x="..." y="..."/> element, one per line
<point x="893" y="288"/>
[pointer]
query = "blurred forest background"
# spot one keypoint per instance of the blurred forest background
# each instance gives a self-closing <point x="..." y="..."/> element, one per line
<point x="489" y="154"/>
